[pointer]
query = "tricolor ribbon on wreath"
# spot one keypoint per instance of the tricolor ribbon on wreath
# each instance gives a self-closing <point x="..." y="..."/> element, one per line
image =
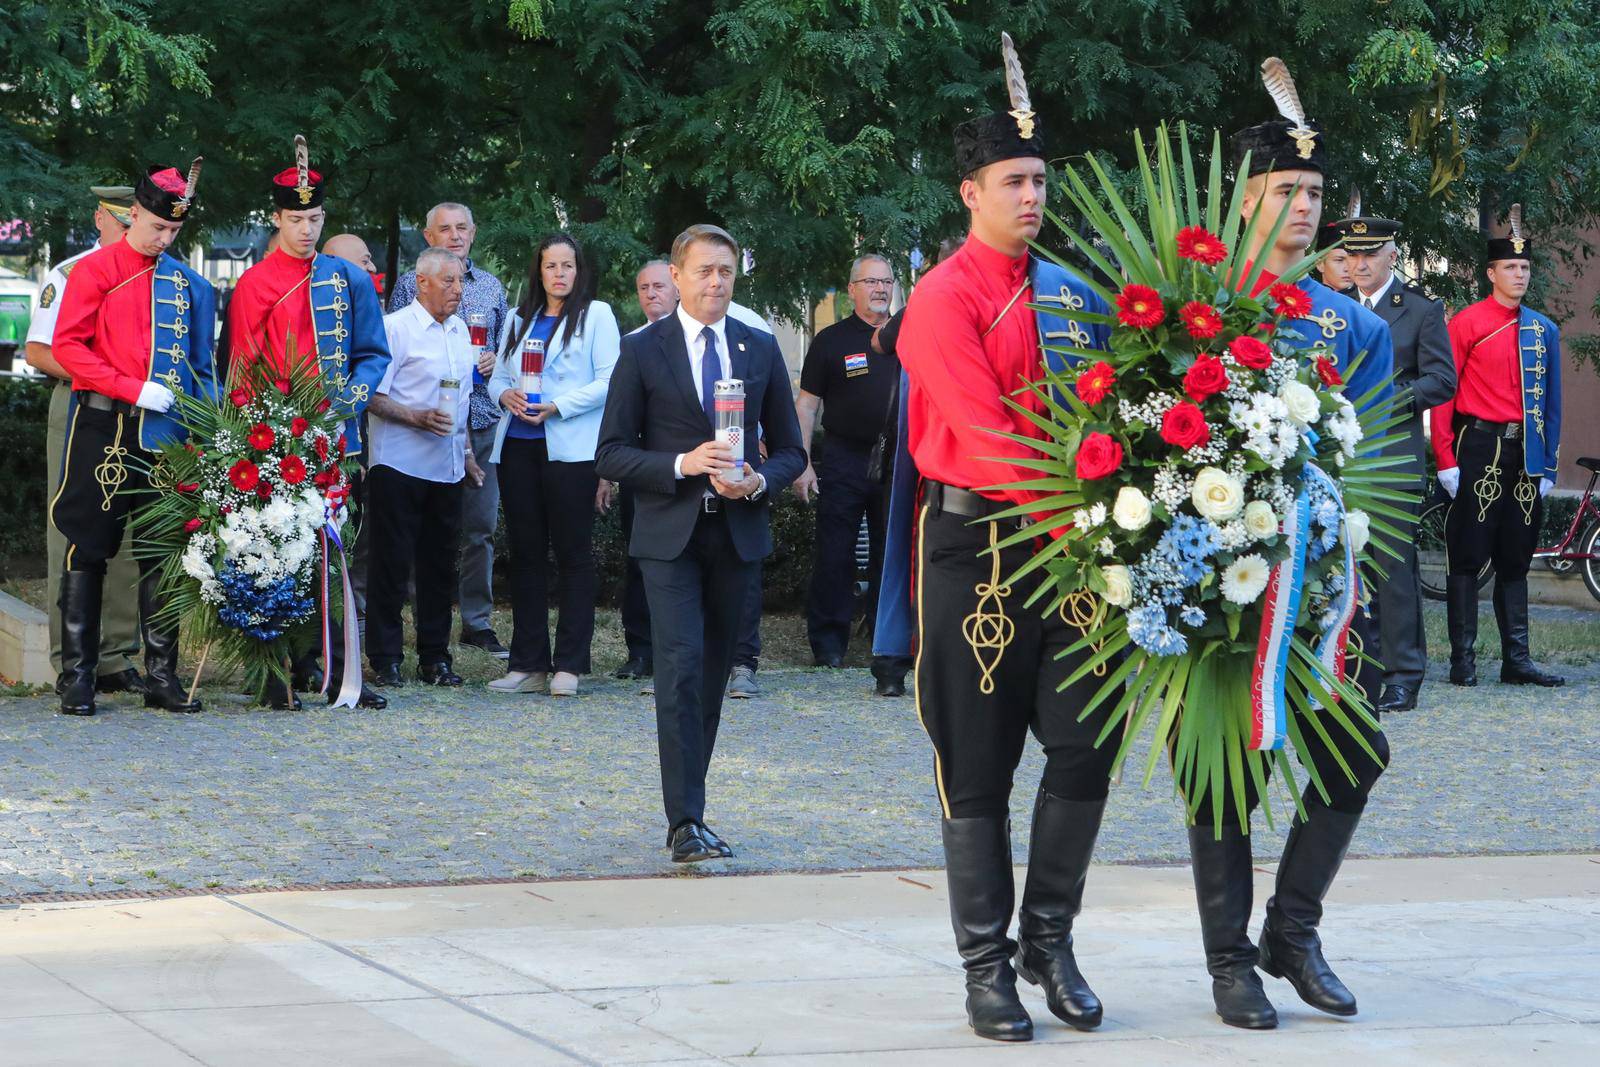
<point x="350" y="680"/>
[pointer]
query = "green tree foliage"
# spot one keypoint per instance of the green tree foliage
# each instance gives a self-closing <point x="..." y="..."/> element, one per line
<point x="813" y="129"/>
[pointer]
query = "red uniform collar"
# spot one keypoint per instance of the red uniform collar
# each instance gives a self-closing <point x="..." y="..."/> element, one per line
<point x="993" y="261"/>
<point x="130" y="258"/>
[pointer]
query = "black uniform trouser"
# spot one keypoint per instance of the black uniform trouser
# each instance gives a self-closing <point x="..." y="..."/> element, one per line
<point x="987" y="673"/>
<point x="635" y="606"/>
<point x="1344" y="795"/>
<point x="415" y="524"/>
<point x="549" y="507"/>
<point x="747" y="652"/>
<point x="1397" y="600"/>
<point x="847" y="495"/>
<point x="697" y="603"/>
<point x="1496" y="512"/>
<point x="103" y="476"/>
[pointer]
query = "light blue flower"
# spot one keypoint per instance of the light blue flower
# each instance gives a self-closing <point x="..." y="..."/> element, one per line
<point x="1150" y="630"/>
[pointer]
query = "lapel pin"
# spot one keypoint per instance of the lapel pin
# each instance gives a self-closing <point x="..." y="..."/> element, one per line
<point x="741" y="346"/>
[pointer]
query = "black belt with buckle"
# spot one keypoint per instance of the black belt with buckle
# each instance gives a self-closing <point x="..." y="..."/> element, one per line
<point x="711" y="504"/>
<point x="1511" y="431"/>
<point x="957" y="501"/>
<point x="101" y="402"/>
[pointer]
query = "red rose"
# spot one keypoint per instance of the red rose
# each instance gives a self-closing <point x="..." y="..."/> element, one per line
<point x="1328" y="371"/>
<point x="264" y="491"/>
<point x="323" y="479"/>
<point x="1139" y="306"/>
<point x="240" y="397"/>
<point x="1201" y="245"/>
<point x="292" y="469"/>
<point x="187" y="487"/>
<point x="298" y="426"/>
<point x="1207" y="377"/>
<point x="261" y="437"/>
<point x="323" y="405"/>
<point x="1185" y="426"/>
<point x="1251" y="353"/>
<point x="1201" y="319"/>
<point x="244" y="475"/>
<point x="284" y="386"/>
<point x="1293" y="301"/>
<point x="1094" y="384"/>
<point x="1098" y="456"/>
<point x="192" y="525"/>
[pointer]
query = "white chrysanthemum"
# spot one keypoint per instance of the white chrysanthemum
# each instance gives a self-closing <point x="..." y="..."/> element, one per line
<point x="1245" y="579"/>
<point x="1107" y="547"/>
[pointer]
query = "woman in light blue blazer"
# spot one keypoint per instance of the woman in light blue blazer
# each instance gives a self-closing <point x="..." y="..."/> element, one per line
<point x="545" y="449"/>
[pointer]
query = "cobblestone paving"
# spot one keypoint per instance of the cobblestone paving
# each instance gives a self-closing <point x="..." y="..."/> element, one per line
<point x="818" y="775"/>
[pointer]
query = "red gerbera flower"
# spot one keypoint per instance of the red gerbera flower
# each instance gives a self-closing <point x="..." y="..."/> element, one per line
<point x="192" y="525"/>
<point x="323" y="479"/>
<point x="1139" y="306"/>
<point x="298" y="426"/>
<point x="1328" y="371"/>
<point x="322" y="448"/>
<point x="1201" y="320"/>
<point x="1201" y="245"/>
<point x="1251" y="353"/>
<point x="292" y="469"/>
<point x="244" y="475"/>
<point x="261" y="437"/>
<point x="1293" y="302"/>
<point x="1094" y="384"/>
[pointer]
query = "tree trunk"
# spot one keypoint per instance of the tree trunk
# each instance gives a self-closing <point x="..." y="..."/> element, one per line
<point x="391" y="266"/>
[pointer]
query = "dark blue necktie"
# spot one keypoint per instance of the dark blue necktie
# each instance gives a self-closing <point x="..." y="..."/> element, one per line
<point x="710" y="371"/>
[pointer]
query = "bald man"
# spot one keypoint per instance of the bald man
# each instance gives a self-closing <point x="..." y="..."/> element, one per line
<point x="352" y="249"/>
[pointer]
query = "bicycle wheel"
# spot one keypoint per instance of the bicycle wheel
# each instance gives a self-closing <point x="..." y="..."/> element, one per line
<point x="1431" y="554"/>
<point x="1589" y="541"/>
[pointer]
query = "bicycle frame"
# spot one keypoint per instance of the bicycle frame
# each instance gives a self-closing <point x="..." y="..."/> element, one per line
<point x="1585" y="507"/>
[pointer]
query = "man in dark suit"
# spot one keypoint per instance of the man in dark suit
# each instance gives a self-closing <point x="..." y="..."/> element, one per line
<point x="700" y="524"/>
<point x="1424" y="366"/>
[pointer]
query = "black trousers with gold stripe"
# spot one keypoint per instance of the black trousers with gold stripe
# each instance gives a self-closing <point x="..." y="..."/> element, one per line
<point x="102" y="476"/>
<point x="987" y="673"/>
<point x="1497" y="510"/>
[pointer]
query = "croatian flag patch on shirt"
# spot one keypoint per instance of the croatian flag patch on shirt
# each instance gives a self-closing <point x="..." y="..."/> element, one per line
<point x="855" y="365"/>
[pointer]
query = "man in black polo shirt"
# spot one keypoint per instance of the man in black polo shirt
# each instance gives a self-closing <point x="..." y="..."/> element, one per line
<point x="851" y="382"/>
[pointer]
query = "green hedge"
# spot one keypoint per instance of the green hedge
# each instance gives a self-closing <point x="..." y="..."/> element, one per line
<point x="24" y="414"/>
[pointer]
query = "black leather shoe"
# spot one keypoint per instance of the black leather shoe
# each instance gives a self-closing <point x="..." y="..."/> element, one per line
<point x="832" y="659"/>
<point x="309" y="681"/>
<point x="79" y="598"/>
<point x="438" y="674"/>
<point x="638" y="667"/>
<point x="1064" y="833"/>
<point x="389" y="676"/>
<point x="891" y="687"/>
<point x="710" y="837"/>
<point x="1290" y="947"/>
<point x="977" y="856"/>
<point x="1516" y="662"/>
<point x="279" y="697"/>
<point x="487" y="642"/>
<point x="1398" y="698"/>
<point x="128" y="681"/>
<point x="369" y="698"/>
<point x="689" y="846"/>
<point x="1222" y="889"/>
<point x="1461" y="605"/>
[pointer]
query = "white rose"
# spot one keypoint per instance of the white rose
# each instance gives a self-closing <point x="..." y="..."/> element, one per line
<point x="1357" y="529"/>
<point x="1245" y="579"/>
<point x="1217" y="495"/>
<point x="1132" y="509"/>
<point x="1301" y="400"/>
<point x="1260" y="521"/>
<point x="1119" y="585"/>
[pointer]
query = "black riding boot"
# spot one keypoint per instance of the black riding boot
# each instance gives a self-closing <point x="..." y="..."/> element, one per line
<point x="1223" y="891"/>
<point x="1064" y="833"/>
<point x="1461" y="605"/>
<point x="1511" y="612"/>
<point x="1290" y="947"/>
<point x="79" y="600"/>
<point x="977" y="855"/>
<point x="160" y="652"/>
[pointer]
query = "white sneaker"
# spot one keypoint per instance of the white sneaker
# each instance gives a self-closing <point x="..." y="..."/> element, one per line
<point x="520" y="682"/>
<point x="564" y="684"/>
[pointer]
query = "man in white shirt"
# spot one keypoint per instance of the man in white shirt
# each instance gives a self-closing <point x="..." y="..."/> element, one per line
<point x="420" y="462"/>
<point x="119" y="615"/>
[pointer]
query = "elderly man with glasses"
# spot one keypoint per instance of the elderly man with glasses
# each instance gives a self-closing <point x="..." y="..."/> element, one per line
<point x="851" y="382"/>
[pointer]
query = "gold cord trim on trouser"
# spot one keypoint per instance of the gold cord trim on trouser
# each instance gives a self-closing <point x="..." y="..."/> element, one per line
<point x="1085" y="611"/>
<point x="988" y="630"/>
<point x="112" y="471"/>
<point x="1487" y="487"/>
<point x="916" y="670"/>
<point x="1527" y="495"/>
<point x="1354" y="646"/>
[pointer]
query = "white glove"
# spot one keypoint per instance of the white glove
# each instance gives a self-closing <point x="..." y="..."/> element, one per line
<point x="1545" y="485"/>
<point x="1451" y="480"/>
<point x="153" y="396"/>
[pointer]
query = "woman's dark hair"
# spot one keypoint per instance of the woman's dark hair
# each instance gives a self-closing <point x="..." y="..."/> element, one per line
<point x="573" y="309"/>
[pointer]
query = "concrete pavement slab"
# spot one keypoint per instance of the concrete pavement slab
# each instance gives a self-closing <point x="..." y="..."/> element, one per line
<point x="101" y="1038"/>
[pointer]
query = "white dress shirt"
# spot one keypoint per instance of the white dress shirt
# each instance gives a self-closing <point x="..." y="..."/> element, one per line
<point x="1372" y="301"/>
<point x="42" y="324"/>
<point x="694" y="340"/>
<point x="423" y="351"/>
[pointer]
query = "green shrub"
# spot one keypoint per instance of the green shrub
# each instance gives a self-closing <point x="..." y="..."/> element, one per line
<point x="24" y="415"/>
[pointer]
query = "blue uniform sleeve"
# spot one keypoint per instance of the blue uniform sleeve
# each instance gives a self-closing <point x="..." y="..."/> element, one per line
<point x="202" y="350"/>
<point x="369" y="346"/>
<point x="1552" y="407"/>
